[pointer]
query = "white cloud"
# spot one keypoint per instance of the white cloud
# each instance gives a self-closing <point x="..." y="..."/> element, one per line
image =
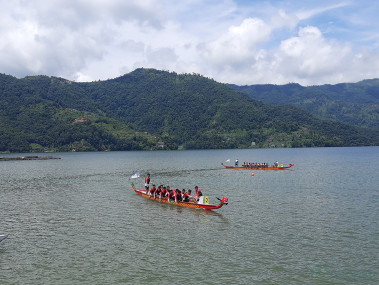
<point x="242" y="43"/>
<point x="238" y="44"/>
<point x="310" y="55"/>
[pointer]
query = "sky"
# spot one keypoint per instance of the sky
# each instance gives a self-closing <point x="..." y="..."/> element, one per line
<point x="231" y="41"/>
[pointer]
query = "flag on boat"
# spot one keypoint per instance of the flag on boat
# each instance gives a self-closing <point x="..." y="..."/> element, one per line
<point x="135" y="175"/>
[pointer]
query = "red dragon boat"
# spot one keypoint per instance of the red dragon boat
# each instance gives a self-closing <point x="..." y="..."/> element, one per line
<point x="223" y="201"/>
<point x="272" y="167"/>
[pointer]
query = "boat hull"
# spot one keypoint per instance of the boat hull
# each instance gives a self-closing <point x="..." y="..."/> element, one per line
<point x="259" y="168"/>
<point x="181" y="204"/>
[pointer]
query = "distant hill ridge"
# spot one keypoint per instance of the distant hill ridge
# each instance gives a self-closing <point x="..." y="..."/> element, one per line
<point x="351" y="103"/>
<point x="153" y="109"/>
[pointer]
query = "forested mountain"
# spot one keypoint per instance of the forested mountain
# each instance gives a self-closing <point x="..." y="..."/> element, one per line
<point x="352" y="103"/>
<point x="151" y="109"/>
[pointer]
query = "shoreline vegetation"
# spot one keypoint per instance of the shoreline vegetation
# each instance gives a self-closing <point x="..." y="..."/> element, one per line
<point x="12" y="158"/>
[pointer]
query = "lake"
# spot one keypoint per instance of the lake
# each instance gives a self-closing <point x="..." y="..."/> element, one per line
<point x="77" y="220"/>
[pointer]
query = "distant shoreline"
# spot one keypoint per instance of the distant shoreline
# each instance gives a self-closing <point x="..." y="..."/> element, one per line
<point x="33" y="157"/>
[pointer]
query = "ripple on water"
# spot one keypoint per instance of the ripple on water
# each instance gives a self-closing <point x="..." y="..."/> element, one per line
<point x="77" y="220"/>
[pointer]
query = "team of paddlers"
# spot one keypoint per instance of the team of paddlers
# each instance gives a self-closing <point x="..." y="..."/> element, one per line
<point x="259" y="165"/>
<point x="256" y="164"/>
<point x="164" y="192"/>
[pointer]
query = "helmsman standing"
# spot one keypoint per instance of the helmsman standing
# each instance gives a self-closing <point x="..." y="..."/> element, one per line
<point x="147" y="181"/>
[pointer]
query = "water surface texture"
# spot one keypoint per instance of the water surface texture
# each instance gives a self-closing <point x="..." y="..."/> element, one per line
<point x="77" y="221"/>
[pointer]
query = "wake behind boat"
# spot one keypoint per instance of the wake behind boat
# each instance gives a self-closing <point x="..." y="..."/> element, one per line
<point x="198" y="205"/>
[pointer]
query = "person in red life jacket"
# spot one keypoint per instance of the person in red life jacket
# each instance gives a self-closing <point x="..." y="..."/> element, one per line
<point x="157" y="191"/>
<point x="147" y="182"/>
<point x="175" y="194"/>
<point x="198" y="193"/>
<point x="182" y="194"/>
<point x="151" y="191"/>
<point x="162" y="193"/>
<point x="178" y="195"/>
<point x="163" y="189"/>
<point x="167" y="193"/>
<point x="187" y="196"/>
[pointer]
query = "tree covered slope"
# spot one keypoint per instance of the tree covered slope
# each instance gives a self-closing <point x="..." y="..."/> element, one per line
<point x="351" y="103"/>
<point x="152" y="109"/>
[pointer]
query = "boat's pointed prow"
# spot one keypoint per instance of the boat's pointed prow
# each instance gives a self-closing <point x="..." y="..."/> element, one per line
<point x="224" y="200"/>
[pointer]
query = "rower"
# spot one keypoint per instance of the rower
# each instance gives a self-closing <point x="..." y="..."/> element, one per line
<point x="179" y="195"/>
<point x="162" y="193"/>
<point x="151" y="192"/>
<point x="187" y="196"/>
<point x="171" y="195"/>
<point x="175" y="192"/>
<point x="198" y="193"/>
<point x="157" y="191"/>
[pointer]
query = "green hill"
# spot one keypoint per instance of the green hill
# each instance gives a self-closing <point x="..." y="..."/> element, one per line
<point x="351" y="103"/>
<point x="151" y="109"/>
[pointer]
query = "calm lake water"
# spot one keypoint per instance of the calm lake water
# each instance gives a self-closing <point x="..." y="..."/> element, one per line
<point x="77" y="221"/>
